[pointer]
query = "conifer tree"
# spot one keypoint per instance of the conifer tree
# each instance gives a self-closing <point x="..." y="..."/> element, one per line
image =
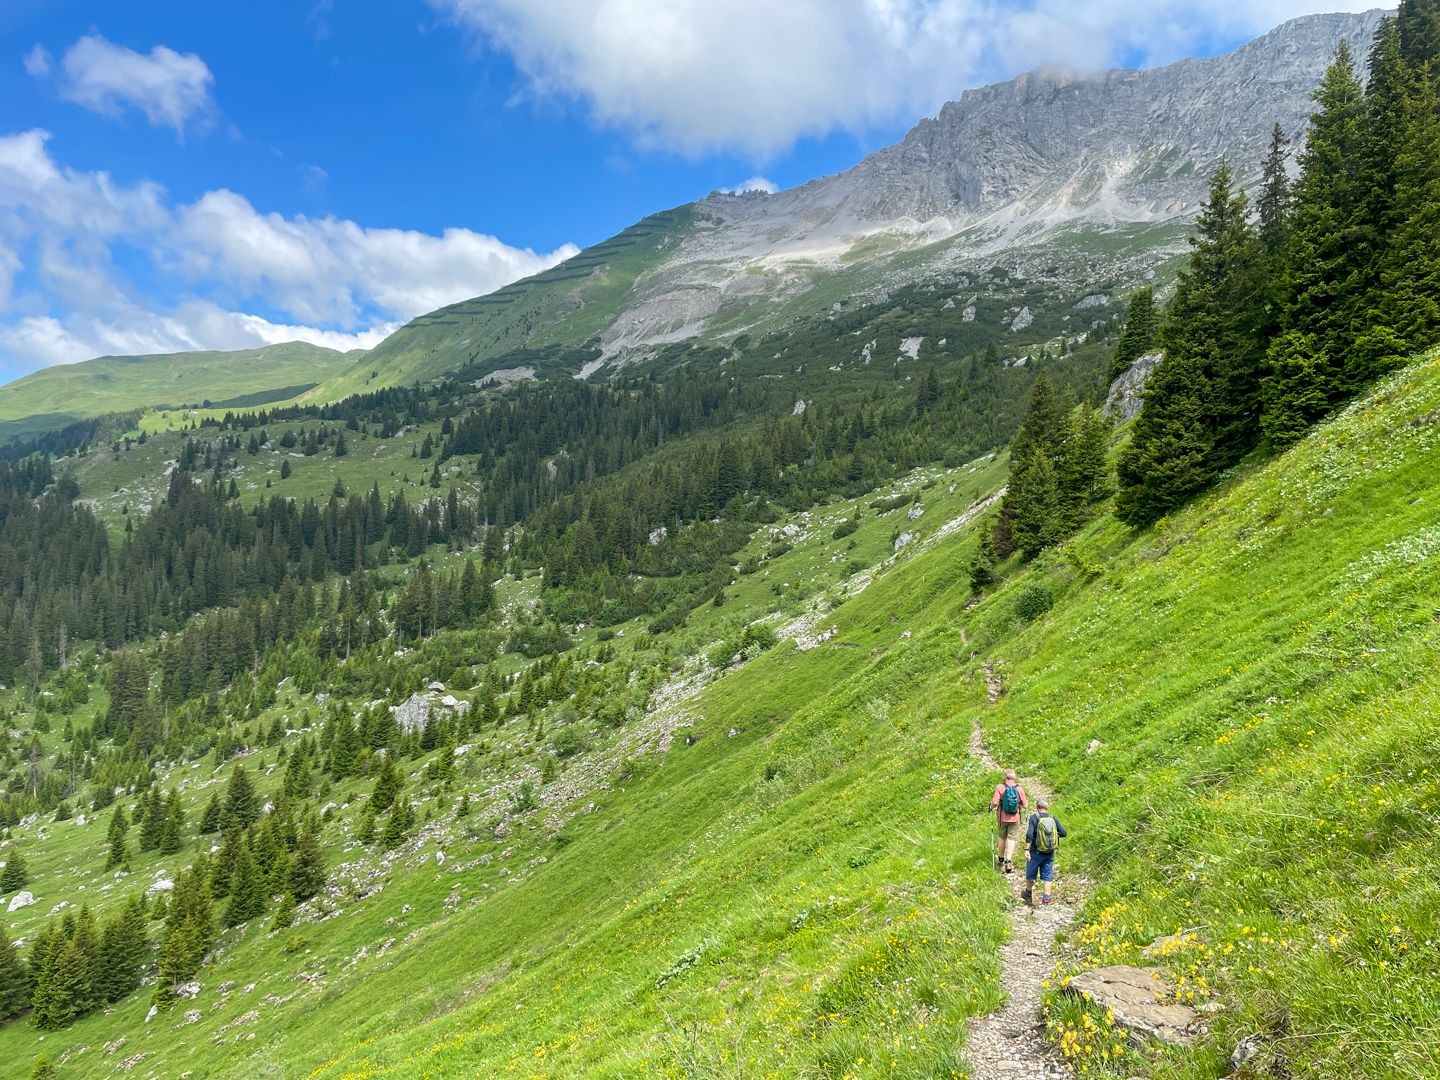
<point x="307" y="869"/>
<point x="16" y="874"/>
<point x="123" y="951"/>
<point x="15" y="987"/>
<point x="1321" y="313"/>
<point x="119" y="826"/>
<point x="242" y="803"/>
<point x="189" y="931"/>
<point x="247" y="893"/>
<point x="1142" y="323"/>
<point x="982" y="565"/>
<point x="1203" y="398"/>
<point x="1035" y="494"/>
<point x="172" y="836"/>
<point x="152" y="820"/>
<point x="210" y="819"/>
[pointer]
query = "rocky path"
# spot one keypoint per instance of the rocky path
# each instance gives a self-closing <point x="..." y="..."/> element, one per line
<point x="1008" y="1044"/>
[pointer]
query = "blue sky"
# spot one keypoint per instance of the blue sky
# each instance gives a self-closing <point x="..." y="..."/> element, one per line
<point x="182" y="175"/>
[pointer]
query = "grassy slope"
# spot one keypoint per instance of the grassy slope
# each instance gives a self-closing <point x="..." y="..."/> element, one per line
<point x="565" y="305"/>
<point x="119" y="383"/>
<point x="803" y="890"/>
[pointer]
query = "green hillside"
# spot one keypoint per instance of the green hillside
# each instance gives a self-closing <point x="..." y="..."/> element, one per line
<point x="782" y="868"/>
<point x="49" y="399"/>
<point x="566" y="305"/>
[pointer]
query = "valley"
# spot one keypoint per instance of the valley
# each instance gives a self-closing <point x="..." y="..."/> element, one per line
<point x="609" y="675"/>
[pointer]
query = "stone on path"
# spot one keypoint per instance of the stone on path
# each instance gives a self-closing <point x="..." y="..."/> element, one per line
<point x="1136" y="997"/>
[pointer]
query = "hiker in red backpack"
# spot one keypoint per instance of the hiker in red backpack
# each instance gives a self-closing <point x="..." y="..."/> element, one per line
<point x="1007" y="802"/>
<point x="1042" y="837"/>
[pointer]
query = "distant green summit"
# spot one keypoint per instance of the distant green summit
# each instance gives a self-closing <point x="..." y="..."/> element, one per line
<point x="53" y="397"/>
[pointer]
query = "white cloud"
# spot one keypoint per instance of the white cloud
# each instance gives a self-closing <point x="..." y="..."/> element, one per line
<point x="326" y="268"/>
<point x="755" y="183"/>
<point x="170" y="88"/>
<point x="331" y="281"/>
<point x="37" y="62"/>
<point x="755" y="75"/>
<point x="44" y="341"/>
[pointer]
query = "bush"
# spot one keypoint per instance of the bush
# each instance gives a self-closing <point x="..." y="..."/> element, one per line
<point x="568" y="741"/>
<point x="846" y="527"/>
<point x="1033" y="601"/>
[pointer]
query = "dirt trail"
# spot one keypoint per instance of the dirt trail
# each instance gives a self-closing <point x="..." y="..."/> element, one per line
<point x="1008" y="1044"/>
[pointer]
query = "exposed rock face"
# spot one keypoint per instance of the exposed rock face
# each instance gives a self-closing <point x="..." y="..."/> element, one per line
<point x="1136" y="997"/>
<point x="413" y="714"/>
<point x="1115" y="146"/>
<point x="1127" y="391"/>
<point x="1004" y="168"/>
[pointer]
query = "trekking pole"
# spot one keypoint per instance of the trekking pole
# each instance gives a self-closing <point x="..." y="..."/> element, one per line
<point x="994" y="845"/>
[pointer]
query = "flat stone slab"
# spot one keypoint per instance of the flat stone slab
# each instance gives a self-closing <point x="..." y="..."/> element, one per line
<point x="1136" y="997"/>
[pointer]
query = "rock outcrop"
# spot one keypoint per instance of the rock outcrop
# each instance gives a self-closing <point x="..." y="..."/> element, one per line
<point x="1139" y="998"/>
<point x="1126" y="392"/>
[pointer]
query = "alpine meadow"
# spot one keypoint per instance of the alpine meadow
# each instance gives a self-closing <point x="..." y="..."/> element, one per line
<point x="608" y="674"/>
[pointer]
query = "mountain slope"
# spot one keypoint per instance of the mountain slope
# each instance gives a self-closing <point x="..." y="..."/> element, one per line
<point x="1066" y="179"/>
<point x="55" y="396"/>
<point x="785" y="868"/>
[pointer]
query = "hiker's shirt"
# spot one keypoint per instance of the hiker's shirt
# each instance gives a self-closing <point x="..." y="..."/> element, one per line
<point x="1034" y="827"/>
<point x="996" y="802"/>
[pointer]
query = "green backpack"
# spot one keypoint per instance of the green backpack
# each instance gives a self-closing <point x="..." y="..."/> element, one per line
<point x="1045" y="835"/>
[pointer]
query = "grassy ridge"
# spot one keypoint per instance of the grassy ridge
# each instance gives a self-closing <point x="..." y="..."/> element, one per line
<point x="56" y="396"/>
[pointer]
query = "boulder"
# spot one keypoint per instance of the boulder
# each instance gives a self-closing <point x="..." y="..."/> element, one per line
<point x="163" y="885"/>
<point x="1138" y="999"/>
<point x="23" y="898"/>
<point x="187" y="990"/>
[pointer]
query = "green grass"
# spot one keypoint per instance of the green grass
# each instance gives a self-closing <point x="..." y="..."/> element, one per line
<point x="801" y="887"/>
<point x="56" y="396"/>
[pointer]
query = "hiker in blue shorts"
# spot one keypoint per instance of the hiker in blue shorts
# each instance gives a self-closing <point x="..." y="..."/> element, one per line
<point x="1042" y="838"/>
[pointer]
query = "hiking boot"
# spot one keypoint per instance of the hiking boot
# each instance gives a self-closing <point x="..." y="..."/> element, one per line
<point x="1027" y="896"/>
<point x="1009" y="867"/>
<point x="1046" y="899"/>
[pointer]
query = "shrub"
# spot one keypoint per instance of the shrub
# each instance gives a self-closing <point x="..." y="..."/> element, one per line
<point x="1033" y="601"/>
<point x="846" y="527"/>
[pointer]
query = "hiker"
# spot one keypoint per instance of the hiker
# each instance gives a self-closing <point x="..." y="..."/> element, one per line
<point x="1007" y="802"/>
<point x="1042" y="837"/>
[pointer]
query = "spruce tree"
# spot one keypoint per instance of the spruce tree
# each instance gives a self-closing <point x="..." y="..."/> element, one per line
<point x="1169" y="458"/>
<point x="152" y="821"/>
<point x="123" y="950"/>
<point x="15" y="988"/>
<point x="982" y="565"/>
<point x="1327" y="256"/>
<point x="16" y="874"/>
<point x="307" y="869"/>
<point x="210" y="819"/>
<point x="1035" y="495"/>
<point x="119" y="826"/>
<point x="172" y="836"/>
<point x="242" y="802"/>
<point x="1407" y="310"/>
<point x="247" y="892"/>
<point x="1142" y="323"/>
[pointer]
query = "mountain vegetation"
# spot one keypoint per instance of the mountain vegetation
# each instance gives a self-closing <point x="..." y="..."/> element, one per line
<point x="632" y="724"/>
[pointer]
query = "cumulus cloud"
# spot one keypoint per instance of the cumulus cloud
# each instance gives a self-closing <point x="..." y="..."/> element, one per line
<point x="753" y="75"/>
<point x="37" y="62"/>
<point x="330" y="281"/>
<point x="169" y="87"/>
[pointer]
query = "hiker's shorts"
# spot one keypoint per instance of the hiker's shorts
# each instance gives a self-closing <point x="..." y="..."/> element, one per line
<point x="1041" y="866"/>
<point x="1012" y="830"/>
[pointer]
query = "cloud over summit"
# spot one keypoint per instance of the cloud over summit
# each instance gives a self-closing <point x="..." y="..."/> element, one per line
<point x="753" y="76"/>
